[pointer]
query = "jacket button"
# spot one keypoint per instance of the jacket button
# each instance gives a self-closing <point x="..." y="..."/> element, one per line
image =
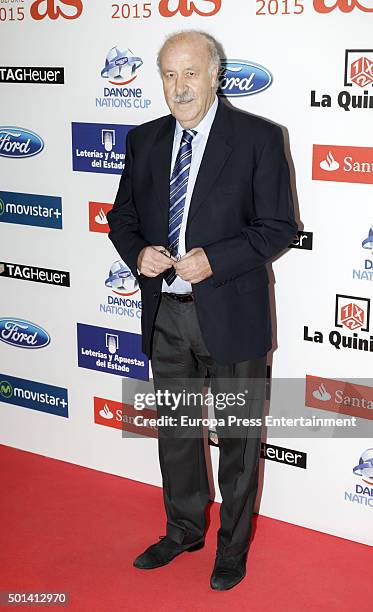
<point x="155" y="293"/>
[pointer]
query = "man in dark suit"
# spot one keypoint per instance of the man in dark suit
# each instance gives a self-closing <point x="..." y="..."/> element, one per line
<point x="203" y="204"/>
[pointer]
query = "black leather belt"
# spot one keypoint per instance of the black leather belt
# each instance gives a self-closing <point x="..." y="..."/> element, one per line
<point x="179" y="297"/>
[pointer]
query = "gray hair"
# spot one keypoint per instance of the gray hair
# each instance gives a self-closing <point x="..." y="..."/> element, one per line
<point x="212" y="46"/>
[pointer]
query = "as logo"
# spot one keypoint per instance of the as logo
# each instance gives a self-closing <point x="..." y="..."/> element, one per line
<point x="346" y="6"/>
<point x="6" y="389"/>
<point x="204" y="8"/>
<point x="70" y="9"/>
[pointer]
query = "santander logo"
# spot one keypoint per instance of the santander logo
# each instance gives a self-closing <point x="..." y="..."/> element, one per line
<point x="68" y="9"/>
<point x="329" y="163"/>
<point x="122" y="416"/>
<point x="204" y="8"/>
<point x="339" y="396"/>
<point x="346" y="164"/>
<point x="346" y="6"/>
<point x="97" y="217"/>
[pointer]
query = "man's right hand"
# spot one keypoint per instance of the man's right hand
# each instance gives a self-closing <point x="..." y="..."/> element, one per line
<point x="151" y="262"/>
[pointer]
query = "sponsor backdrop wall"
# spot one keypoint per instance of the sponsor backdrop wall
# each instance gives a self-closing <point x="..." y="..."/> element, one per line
<point x="75" y="77"/>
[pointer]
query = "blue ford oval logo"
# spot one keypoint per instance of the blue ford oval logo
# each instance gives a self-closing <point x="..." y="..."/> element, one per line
<point x="18" y="142"/>
<point x="24" y="334"/>
<point x="241" y="78"/>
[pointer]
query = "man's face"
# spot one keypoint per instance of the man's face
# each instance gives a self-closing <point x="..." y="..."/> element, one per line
<point x="188" y="84"/>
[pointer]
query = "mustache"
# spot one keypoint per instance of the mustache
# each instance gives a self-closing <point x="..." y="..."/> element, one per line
<point x="186" y="96"/>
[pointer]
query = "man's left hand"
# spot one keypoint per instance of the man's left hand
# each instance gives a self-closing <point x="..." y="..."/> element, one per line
<point x="194" y="266"/>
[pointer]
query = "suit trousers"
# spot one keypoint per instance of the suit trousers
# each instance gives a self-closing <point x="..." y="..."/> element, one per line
<point x="180" y="362"/>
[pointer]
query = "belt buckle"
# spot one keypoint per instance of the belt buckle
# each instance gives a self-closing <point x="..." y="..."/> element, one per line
<point x="180" y="297"/>
<point x="185" y="297"/>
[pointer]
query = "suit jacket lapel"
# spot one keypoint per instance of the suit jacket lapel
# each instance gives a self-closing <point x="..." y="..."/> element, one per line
<point x="161" y="163"/>
<point x="217" y="151"/>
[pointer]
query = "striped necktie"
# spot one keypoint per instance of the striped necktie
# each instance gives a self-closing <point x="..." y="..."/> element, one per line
<point x="178" y="190"/>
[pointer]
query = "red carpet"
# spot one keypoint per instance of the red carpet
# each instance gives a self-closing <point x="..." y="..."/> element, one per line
<point x="67" y="528"/>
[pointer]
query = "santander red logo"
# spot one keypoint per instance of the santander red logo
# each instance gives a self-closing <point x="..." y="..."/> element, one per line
<point x="122" y="416"/>
<point x="339" y="396"/>
<point x="97" y="217"/>
<point x="346" y="6"/>
<point x="68" y="9"/>
<point x="204" y="8"/>
<point x="343" y="164"/>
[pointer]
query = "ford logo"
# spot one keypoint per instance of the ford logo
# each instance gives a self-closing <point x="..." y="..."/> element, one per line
<point x="17" y="142"/>
<point x="241" y="78"/>
<point x="24" y="334"/>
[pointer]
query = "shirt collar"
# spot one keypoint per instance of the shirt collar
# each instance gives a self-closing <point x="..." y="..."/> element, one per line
<point x="205" y="124"/>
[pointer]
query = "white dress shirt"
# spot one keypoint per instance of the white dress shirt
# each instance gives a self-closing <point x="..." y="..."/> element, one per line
<point x="198" y="149"/>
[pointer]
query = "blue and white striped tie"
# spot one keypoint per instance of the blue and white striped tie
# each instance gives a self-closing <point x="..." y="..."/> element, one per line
<point x="178" y="190"/>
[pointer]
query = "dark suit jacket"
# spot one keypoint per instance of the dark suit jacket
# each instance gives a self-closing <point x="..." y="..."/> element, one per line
<point x="241" y="213"/>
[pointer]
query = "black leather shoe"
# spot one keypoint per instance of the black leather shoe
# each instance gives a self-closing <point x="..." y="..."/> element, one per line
<point x="163" y="552"/>
<point x="228" y="571"/>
